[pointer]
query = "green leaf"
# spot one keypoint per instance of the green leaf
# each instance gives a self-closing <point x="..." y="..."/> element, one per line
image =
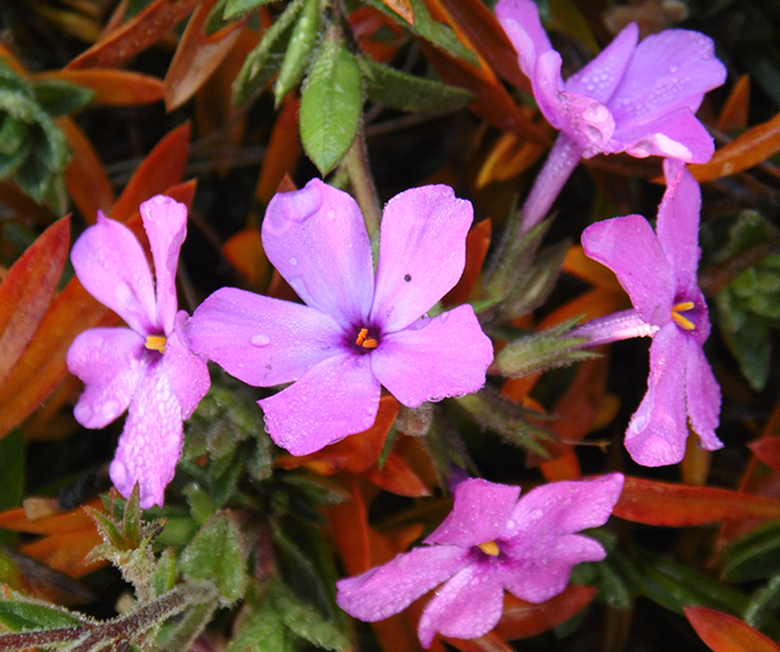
<point x="407" y="92"/>
<point x="235" y="7"/>
<point x="201" y="504"/>
<point x="24" y="616"/>
<point x="331" y="105"/>
<point x="265" y="60"/>
<point x="753" y="555"/>
<point x="217" y="554"/>
<point x="58" y="97"/>
<point x="541" y="351"/>
<point x="299" y="50"/>
<point x="164" y="572"/>
<point x="305" y="621"/>
<point x="13" y="134"/>
<point x="262" y="631"/>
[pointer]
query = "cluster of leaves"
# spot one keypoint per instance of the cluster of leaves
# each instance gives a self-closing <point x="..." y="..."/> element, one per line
<point x="247" y="550"/>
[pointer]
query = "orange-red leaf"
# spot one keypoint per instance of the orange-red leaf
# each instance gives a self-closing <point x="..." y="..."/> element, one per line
<point x="677" y="505"/>
<point x="23" y="519"/>
<point x="27" y="290"/>
<point x="284" y="151"/>
<point x="245" y="252"/>
<point x="403" y="8"/>
<point x="768" y="451"/>
<point x="87" y="181"/>
<point x="66" y="552"/>
<point x="751" y="148"/>
<point x="198" y="56"/>
<point x="473" y="20"/>
<point x="111" y="86"/>
<point x="490" y="642"/>
<point x="477" y="244"/>
<point x="523" y="619"/>
<point x="143" y="30"/>
<point x="493" y="102"/>
<point x="725" y="633"/>
<point x="735" y="111"/>
<point x="162" y="168"/>
<point x="397" y="477"/>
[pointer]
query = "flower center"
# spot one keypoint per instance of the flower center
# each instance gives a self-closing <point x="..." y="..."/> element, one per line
<point x="683" y="322"/>
<point x="156" y="343"/>
<point x="365" y="340"/>
<point x="489" y="548"/>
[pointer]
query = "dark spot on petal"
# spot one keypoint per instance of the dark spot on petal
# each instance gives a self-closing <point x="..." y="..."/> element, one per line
<point x="407" y="277"/>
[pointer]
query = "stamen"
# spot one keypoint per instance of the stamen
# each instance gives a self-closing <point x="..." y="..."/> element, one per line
<point x="365" y="341"/>
<point x="156" y="343"/>
<point x="683" y="322"/>
<point x="489" y="548"/>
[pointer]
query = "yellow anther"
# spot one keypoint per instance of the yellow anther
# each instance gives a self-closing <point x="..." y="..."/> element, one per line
<point x="156" y="343"/>
<point x="365" y="341"/>
<point x="681" y="321"/>
<point x="489" y="548"/>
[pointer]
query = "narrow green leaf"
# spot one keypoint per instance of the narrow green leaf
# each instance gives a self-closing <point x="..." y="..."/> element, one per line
<point x="24" y="616"/>
<point x="58" y="97"/>
<point x="299" y="50"/>
<point x="331" y="105"/>
<point x="265" y="60"/>
<point x="164" y="572"/>
<point x="305" y="621"/>
<point x="217" y="554"/>
<point x="407" y="92"/>
<point x="753" y="555"/>
<point x="262" y="631"/>
<point x="235" y="7"/>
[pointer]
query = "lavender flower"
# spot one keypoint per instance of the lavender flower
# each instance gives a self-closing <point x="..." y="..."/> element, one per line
<point x="634" y="98"/>
<point x="659" y="272"/>
<point x="355" y="333"/>
<point x="148" y="367"/>
<point x="490" y="542"/>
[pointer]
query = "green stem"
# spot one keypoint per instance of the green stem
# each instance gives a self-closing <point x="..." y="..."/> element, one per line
<point x="357" y="167"/>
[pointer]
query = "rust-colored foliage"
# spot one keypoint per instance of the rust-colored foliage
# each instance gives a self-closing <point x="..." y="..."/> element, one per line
<point x="726" y="633"/>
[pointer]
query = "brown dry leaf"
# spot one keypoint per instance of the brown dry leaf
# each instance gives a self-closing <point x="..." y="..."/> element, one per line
<point x="735" y="111"/>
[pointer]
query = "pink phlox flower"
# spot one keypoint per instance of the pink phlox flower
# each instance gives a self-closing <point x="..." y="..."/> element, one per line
<point x="659" y="272"/>
<point x="633" y="97"/>
<point x="356" y="332"/>
<point x="490" y="542"/>
<point x="147" y="368"/>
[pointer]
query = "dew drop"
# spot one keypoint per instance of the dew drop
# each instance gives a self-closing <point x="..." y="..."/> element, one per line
<point x="673" y="69"/>
<point x="110" y="409"/>
<point x="260" y="340"/>
<point x="293" y="261"/>
<point x="536" y="514"/>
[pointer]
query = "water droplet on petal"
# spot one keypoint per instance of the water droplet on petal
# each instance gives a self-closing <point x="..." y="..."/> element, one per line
<point x="673" y="69"/>
<point x="536" y="514"/>
<point x="293" y="261"/>
<point x="110" y="409"/>
<point x="260" y="340"/>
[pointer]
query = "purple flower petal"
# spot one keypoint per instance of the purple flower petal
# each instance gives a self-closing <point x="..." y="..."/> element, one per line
<point x="559" y="508"/>
<point x="703" y="396"/>
<point x="338" y="396"/>
<point x="468" y="606"/>
<point x="112" y="267"/>
<point x="260" y="340"/>
<point x="629" y="247"/>
<point x="521" y="22"/>
<point x="544" y="570"/>
<point x="165" y="222"/>
<point x="658" y="430"/>
<point x="386" y="590"/>
<point x="110" y="363"/>
<point x="678" y="225"/>
<point x="432" y="361"/>
<point x="481" y="513"/>
<point x="150" y="445"/>
<point x="669" y="71"/>
<point x="581" y="117"/>
<point x="602" y="75"/>
<point x="317" y="239"/>
<point x="422" y="253"/>
<point x="187" y="372"/>
<point x="677" y="135"/>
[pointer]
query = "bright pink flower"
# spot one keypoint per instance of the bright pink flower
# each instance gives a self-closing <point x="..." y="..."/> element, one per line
<point x="356" y="332"/>
<point x="639" y="98"/>
<point x="659" y="272"/>
<point x="490" y="542"/>
<point x="147" y="367"/>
